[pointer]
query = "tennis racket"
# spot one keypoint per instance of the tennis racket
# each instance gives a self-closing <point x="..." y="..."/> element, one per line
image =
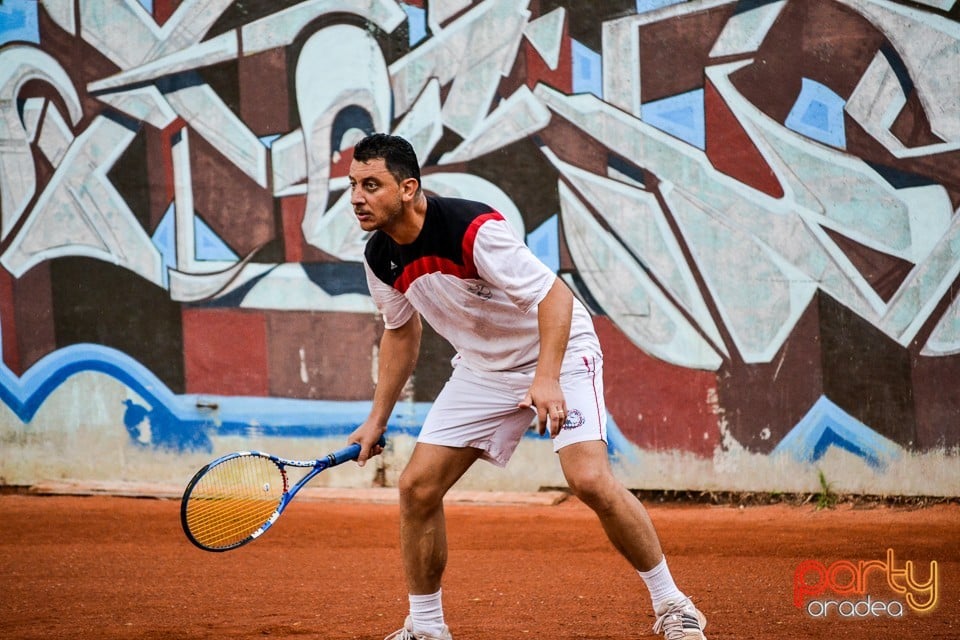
<point x="237" y="497"/>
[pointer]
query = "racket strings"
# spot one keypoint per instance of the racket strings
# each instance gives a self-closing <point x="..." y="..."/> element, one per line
<point x="233" y="500"/>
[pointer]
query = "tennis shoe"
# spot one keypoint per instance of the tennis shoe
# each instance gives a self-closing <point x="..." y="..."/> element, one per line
<point x="406" y="633"/>
<point x="680" y="621"/>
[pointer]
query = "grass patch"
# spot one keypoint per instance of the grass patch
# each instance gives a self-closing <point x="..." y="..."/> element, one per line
<point x="827" y="498"/>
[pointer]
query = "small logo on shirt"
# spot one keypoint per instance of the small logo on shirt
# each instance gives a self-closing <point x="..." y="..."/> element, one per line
<point x="481" y="291"/>
<point x="574" y="420"/>
<point x="394" y="266"/>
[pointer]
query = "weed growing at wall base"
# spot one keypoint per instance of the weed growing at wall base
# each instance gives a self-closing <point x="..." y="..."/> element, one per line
<point x="826" y="499"/>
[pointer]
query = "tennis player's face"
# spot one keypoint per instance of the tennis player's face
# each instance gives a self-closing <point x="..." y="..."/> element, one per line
<point x="376" y="196"/>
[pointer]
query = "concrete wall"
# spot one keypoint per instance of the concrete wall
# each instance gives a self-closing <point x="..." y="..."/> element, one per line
<point x="756" y="199"/>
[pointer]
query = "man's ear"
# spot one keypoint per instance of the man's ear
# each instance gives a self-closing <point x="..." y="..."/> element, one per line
<point x="410" y="186"/>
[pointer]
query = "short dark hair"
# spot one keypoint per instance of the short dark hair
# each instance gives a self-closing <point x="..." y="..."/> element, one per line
<point x="396" y="153"/>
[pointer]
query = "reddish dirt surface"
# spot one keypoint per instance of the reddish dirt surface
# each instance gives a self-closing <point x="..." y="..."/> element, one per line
<point x="108" y="567"/>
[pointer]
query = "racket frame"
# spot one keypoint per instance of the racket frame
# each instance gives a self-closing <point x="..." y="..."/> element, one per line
<point x="345" y="454"/>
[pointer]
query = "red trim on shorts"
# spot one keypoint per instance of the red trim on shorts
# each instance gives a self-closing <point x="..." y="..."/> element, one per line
<point x="591" y="365"/>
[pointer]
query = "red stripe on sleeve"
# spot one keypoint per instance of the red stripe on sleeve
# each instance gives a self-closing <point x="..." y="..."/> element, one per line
<point x="470" y="237"/>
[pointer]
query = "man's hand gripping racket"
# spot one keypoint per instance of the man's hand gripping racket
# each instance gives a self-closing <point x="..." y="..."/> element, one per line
<point x="237" y="497"/>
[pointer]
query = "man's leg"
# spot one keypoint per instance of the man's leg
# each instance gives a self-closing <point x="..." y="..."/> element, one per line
<point x="586" y="467"/>
<point x="628" y="526"/>
<point x="429" y="474"/>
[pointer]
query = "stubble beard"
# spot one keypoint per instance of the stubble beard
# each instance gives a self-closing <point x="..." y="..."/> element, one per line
<point x="392" y="217"/>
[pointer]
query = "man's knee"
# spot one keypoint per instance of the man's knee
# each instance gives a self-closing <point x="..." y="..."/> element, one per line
<point x="419" y="491"/>
<point x="595" y="487"/>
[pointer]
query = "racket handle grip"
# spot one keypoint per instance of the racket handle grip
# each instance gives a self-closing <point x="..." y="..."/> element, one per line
<point x="350" y="453"/>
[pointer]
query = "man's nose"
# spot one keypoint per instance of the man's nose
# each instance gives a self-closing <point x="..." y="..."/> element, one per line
<point x="356" y="195"/>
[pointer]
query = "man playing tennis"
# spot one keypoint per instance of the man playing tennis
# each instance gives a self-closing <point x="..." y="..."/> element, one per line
<point x="524" y="344"/>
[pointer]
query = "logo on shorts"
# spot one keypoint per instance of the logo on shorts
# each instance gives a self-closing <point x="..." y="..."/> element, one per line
<point x="574" y="420"/>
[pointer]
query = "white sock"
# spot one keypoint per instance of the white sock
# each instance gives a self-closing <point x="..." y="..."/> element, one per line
<point x="661" y="585"/>
<point x="426" y="612"/>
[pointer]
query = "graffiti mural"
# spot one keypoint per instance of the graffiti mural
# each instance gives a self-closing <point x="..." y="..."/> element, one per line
<point x="757" y="200"/>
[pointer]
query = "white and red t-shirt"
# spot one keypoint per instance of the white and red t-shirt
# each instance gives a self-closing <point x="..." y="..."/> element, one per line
<point x="474" y="282"/>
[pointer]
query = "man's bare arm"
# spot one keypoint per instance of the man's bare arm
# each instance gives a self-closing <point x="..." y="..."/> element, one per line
<point x="554" y="317"/>
<point x="399" y="349"/>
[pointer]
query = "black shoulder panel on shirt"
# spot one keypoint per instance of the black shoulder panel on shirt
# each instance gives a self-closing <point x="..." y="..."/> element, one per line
<point x="444" y="228"/>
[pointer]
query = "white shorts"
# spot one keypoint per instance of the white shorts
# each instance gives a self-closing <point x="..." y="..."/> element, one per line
<point x="479" y="409"/>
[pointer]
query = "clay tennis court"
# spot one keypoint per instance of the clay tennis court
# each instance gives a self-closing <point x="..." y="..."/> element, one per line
<point x="107" y="567"/>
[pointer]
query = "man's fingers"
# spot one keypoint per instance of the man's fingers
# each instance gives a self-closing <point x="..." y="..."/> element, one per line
<point x="541" y="420"/>
<point x="367" y="452"/>
<point x="554" y="414"/>
<point x="558" y="415"/>
<point x="526" y="403"/>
